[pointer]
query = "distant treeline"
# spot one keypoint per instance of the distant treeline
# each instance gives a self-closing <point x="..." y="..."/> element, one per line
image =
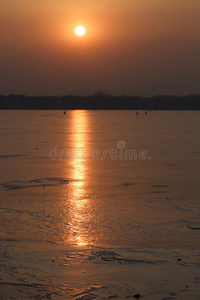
<point x="101" y="101"/>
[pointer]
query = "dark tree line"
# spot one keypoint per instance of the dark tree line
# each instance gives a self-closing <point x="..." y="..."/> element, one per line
<point x="101" y="101"/>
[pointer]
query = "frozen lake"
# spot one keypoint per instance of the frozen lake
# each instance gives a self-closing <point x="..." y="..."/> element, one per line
<point x="99" y="204"/>
<point x="101" y="178"/>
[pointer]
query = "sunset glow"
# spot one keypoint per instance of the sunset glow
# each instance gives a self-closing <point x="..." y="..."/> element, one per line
<point x="71" y="47"/>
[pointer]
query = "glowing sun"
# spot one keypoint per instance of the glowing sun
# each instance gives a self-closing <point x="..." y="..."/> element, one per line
<point x="80" y="30"/>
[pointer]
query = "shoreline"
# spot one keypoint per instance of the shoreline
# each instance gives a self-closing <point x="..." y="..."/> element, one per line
<point x="101" y="102"/>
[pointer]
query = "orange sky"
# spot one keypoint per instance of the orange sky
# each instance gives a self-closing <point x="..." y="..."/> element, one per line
<point x="131" y="47"/>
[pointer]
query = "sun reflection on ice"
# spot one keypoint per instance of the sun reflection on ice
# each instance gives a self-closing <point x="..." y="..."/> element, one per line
<point x="78" y="165"/>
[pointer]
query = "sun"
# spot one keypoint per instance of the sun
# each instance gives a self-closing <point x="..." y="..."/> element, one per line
<point x="80" y="30"/>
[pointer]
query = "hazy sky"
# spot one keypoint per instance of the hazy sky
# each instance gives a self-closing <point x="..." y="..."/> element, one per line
<point x="133" y="47"/>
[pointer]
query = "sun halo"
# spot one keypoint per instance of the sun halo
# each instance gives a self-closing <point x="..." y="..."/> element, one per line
<point x="80" y="30"/>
